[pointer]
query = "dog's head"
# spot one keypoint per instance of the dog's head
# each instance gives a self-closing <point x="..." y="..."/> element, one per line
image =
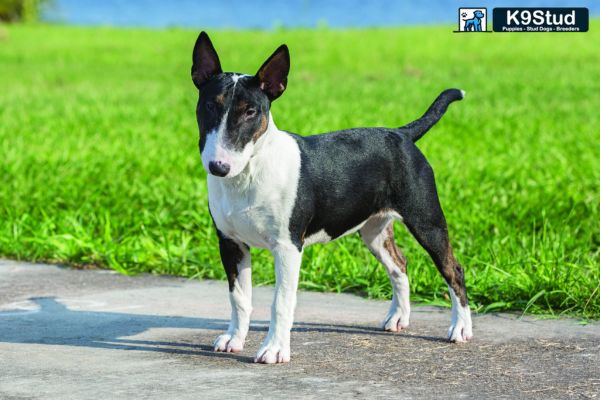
<point x="478" y="14"/>
<point x="233" y="109"/>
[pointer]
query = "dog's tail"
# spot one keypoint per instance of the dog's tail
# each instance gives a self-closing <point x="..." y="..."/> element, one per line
<point x="416" y="129"/>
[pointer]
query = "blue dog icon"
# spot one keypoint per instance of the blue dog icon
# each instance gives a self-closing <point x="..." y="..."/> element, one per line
<point x="474" y="24"/>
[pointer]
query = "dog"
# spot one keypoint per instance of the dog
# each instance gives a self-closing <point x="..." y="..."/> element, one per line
<point x="474" y="24"/>
<point x="276" y="190"/>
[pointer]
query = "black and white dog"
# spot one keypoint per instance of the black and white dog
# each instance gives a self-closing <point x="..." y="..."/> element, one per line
<point x="276" y="190"/>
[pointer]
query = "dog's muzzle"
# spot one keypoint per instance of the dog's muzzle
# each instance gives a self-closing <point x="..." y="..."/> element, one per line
<point x="218" y="168"/>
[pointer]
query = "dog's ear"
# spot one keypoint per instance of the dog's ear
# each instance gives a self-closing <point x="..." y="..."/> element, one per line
<point x="205" y="60"/>
<point x="272" y="76"/>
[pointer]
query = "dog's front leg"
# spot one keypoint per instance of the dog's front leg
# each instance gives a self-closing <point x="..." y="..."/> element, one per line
<point x="236" y="260"/>
<point x="276" y="347"/>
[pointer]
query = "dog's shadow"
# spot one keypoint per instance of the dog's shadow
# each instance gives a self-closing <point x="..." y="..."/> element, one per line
<point x="53" y="323"/>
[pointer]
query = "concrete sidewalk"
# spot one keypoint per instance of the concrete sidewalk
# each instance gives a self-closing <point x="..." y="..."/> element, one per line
<point x="72" y="334"/>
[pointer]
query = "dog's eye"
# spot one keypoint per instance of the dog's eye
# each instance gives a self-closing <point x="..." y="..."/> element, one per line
<point x="210" y="106"/>
<point x="251" y="112"/>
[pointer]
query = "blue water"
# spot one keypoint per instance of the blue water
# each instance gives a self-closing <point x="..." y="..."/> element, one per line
<point x="263" y="14"/>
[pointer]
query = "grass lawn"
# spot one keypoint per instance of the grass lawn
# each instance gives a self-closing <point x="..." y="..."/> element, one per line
<point x="99" y="161"/>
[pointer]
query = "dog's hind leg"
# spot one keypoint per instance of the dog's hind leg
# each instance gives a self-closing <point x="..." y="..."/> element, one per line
<point x="236" y="260"/>
<point x="422" y="214"/>
<point x="378" y="235"/>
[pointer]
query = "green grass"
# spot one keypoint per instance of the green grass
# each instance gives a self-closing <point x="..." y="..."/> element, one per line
<point x="99" y="161"/>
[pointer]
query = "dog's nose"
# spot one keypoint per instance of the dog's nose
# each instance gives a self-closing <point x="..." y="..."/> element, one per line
<point x="218" y="168"/>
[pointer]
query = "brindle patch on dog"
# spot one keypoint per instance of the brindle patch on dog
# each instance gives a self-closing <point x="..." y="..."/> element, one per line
<point x="453" y="270"/>
<point x="393" y="250"/>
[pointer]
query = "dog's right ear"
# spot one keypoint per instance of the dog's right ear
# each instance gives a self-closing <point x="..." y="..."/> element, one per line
<point x="205" y="60"/>
<point x="272" y="76"/>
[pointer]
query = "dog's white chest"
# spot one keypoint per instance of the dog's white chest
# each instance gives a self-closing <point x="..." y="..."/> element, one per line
<point x="255" y="207"/>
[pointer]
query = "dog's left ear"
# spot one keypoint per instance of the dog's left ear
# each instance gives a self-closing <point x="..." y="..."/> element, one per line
<point x="272" y="76"/>
<point x="205" y="60"/>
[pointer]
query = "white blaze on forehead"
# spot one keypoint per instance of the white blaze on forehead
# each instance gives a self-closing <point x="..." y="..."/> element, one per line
<point x="236" y="77"/>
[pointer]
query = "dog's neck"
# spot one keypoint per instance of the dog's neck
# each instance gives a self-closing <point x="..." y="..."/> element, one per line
<point x="266" y="138"/>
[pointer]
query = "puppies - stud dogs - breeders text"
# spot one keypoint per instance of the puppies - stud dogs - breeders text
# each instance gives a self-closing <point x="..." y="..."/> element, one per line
<point x="276" y="190"/>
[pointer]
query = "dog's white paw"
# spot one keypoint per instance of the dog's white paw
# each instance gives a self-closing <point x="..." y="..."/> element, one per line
<point x="461" y="331"/>
<point x="227" y="343"/>
<point x="395" y="321"/>
<point x="461" y="327"/>
<point x="273" y="353"/>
